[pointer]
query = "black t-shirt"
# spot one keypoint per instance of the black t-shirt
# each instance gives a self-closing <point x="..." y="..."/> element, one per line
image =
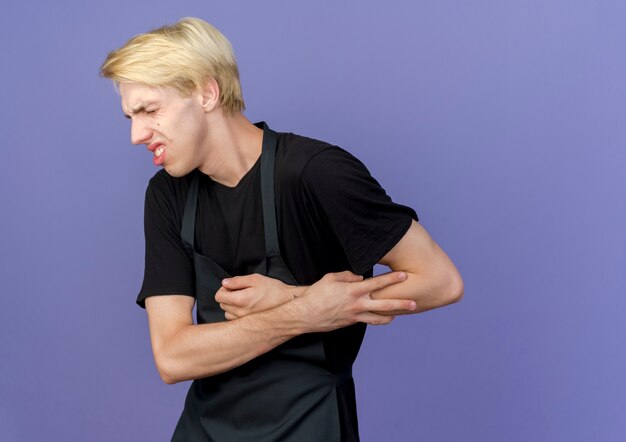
<point x="332" y="215"/>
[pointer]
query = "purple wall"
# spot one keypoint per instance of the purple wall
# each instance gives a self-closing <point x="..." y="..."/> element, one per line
<point x="501" y="123"/>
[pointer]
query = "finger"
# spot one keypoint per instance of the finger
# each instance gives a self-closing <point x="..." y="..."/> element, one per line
<point x="380" y="282"/>
<point x="388" y="305"/>
<point x="221" y="295"/>
<point x="230" y="316"/>
<point x="374" y="319"/>
<point x="233" y="310"/>
<point x="231" y="297"/>
<point x="392" y="313"/>
<point x="345" y="276"/>
<point x="240" y="282"/>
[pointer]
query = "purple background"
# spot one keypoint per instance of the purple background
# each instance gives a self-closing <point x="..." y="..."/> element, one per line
<point x="500" y="122"/>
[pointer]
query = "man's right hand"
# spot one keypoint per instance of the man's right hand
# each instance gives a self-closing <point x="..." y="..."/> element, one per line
<point x="341" y="299"/>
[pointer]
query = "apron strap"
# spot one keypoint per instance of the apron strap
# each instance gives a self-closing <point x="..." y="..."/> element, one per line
<point x="343" y="377"/>
<point x="189" y="217"/>
<point x="268" y="155"/>
<point x="273" y="258"/>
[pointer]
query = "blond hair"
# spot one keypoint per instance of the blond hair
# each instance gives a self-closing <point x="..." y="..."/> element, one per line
<point x="183" y="56"/>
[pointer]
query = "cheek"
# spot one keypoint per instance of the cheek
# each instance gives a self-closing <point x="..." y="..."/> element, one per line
<point x="189" y="128"/>
<point x="196" y="127"/>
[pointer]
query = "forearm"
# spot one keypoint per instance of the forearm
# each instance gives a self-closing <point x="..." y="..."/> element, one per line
<point x="185" y="351"/>
<point x="427" y="291"/>
<point x="197" y="351"/>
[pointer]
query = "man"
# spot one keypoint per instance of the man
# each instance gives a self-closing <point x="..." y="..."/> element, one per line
<point x="298" y="220"/>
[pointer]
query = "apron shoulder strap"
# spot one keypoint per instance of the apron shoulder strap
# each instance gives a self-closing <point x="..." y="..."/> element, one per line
<point x="189" y="216"/>
<point x="268" y="156"/>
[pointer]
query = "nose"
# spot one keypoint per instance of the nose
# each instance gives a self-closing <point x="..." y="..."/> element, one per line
<point x="139" y="132"/>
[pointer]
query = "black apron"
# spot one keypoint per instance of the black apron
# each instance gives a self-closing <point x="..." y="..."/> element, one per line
<point x="287" y="394"/>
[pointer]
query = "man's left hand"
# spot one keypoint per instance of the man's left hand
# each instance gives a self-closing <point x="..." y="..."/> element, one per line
<point x="241" y="295"/>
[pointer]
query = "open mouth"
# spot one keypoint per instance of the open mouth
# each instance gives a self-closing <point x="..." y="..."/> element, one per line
<point x="159" y="155"/>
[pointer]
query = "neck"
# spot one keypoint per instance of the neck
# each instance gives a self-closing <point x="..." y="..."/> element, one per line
<point x="233" y="146"/>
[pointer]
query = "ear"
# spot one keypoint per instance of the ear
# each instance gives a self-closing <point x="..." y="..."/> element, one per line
<point x="210" y="95"/>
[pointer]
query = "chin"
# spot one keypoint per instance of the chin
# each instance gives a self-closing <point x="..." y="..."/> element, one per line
<point x="176" y="172"/>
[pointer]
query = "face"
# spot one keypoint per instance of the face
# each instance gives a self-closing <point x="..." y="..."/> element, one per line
<point x="171" y="126"/>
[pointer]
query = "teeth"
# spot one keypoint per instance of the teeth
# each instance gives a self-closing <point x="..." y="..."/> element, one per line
<point x="159" y="151"/>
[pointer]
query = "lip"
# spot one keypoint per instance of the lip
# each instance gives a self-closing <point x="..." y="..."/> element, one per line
<point x="152" y="147"/>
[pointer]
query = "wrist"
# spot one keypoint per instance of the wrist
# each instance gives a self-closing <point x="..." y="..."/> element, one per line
<point x="295" y="291"/>
<point x="297" y="311"/>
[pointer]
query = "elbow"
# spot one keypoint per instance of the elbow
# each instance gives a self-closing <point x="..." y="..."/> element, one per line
<point x="167" y="368"/>
<point x="167" y="378"/>
<point x="170" y="376"/>
<point x="170" y="359"/>
<point x="165" y="372"/>
<point x="457" y="295"/>
<point x="449" y="290"/>
<point x="455" y="289"/>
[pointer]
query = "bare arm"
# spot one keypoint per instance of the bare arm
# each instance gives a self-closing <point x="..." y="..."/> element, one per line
<point x="185" y="351"/>
<point x="433" y="280"/>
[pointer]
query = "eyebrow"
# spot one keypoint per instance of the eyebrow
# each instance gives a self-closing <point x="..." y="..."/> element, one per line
<point x="139" y="108"/>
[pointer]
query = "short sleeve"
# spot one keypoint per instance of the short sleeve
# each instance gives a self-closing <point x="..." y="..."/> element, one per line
<point x="366" y="222"/>
<point x="168" y="268"/>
